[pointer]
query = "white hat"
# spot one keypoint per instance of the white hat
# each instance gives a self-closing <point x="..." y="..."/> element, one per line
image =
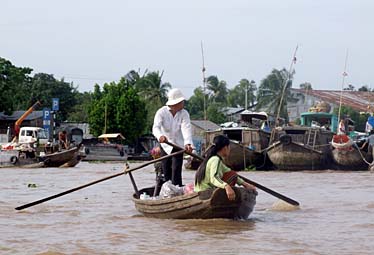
<point x="175" y="96"/>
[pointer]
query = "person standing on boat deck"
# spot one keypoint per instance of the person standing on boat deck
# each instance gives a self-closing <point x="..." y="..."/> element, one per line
<point x="341" y="127"/>
<point x="172" y="123"/>
<point x="214" y="173"/>
<point x="369" y="140"/>
<point x="63" y="140"/>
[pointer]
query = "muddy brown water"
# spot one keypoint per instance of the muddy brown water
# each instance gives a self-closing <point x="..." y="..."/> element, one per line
<point x="336" y="215"/>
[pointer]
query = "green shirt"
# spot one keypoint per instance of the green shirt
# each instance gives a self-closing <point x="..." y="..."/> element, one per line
<point x="214" y="171"/>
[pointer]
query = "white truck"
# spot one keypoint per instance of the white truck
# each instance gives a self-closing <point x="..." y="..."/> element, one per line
<point x="32" y="134"/>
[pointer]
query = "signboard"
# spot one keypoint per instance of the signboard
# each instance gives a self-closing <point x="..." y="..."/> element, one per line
<point x="46" y="118"/>
<point x="55" y="104"/>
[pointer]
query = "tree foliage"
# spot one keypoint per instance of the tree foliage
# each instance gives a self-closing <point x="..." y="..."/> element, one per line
<point x="218" y="89"/>
<point x="13" y="86"/>
<point x="152" y="91"/>
<point x="236" y="96"/>
<point x="117" y="108"/>
<point x="44" y="87"/>
<point x="270" y="93"/>
<point x="195" y="104"/>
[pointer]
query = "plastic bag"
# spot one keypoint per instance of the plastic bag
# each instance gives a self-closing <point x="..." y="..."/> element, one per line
<point x="189" y="188"/>
<point x="169" y="190"/>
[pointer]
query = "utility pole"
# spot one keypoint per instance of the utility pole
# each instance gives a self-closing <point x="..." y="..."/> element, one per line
<point x="204" y="80"/>
<point x="246" y="97"/>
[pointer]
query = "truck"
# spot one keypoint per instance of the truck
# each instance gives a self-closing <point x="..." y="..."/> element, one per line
<point x="32" y="135"/>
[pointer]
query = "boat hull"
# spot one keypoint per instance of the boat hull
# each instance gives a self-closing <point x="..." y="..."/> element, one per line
<point x="203" y="205"/>
<point x="57" y="159"/>
<point x="295" y="156"/>
<point x="241" y="157"/>
<point x="104" y="153"/>
<point x="350" y="159"/>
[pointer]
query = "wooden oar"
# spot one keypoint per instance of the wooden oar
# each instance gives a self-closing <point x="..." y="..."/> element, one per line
<point x="129" y="170"/>
<point x="267" y="190"/>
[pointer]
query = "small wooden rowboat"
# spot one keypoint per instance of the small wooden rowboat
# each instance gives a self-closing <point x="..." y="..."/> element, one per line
<point x="208" y="204"/>
<point x="59" y="158"/>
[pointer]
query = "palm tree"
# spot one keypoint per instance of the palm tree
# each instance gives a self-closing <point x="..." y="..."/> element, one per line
<point x="237" y="95"/>
<point x="150" y="86"/>
<point x="270" y="92"/>
<point x="153" y="92"/>
<point x="218" y="89"/>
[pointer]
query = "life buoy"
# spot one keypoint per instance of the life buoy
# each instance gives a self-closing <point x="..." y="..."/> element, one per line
<point x="13" y="160"/>
<point x="87" y="151"/>
<point x="285" y="139"/>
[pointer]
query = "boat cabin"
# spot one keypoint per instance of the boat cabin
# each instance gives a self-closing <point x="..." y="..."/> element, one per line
<point x="325" y="120"/>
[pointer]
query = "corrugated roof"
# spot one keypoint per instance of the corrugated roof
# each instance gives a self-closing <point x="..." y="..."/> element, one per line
<point x="358" y="100"/>
<point x="17" y="114"/>
<point x="232" y="110"/>
<point x="205" y="124"/>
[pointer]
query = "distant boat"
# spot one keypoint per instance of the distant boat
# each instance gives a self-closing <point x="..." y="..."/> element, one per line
<point x="300" y="148"/>
<point x="304" y="147"/>
<point x="247" y="140"/>
<point x="347" y="155"/>
<point x="108" y="147"/>
<point x="59" y="158"/>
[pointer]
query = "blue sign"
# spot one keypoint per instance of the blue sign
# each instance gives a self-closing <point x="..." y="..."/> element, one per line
<point x="55" y="104"/>
<point x="46" y="118"/>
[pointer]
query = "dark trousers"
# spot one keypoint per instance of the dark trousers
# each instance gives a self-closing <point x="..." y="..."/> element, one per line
<point x="172" y="167"/>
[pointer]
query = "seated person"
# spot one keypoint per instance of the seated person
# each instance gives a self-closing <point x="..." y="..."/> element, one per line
<point x="214" y="173"/>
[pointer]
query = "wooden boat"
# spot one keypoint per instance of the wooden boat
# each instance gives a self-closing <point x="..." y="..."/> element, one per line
<point x="58" y="158"/>
<point x="300" y="148"/>
<point x="242" y="157"/>
<point x="246" y="145"/>
<point x="10" y="158"/>
<point x="107" y="148"/>
<point x="78" y="156"/>
<point x="347" y="156"/>
<point x="208" y="204"/>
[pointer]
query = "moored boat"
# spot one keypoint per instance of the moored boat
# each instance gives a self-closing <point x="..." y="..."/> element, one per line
<point x="300" y="148"/>
<point x="58" y="158"/>
<point x="208" y="204"/>
<point x="247" y="141"/>
<point x="347" y="155"/>
<point x="108" y="147"/>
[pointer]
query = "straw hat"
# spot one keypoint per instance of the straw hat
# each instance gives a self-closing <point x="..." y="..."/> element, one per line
<point x="175" y="96"/>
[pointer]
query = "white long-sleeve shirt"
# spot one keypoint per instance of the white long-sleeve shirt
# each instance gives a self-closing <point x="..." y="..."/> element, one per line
<point x="177" y="129"/>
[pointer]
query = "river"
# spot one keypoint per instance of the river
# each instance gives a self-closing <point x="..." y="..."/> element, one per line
<point x="336" y="215"/>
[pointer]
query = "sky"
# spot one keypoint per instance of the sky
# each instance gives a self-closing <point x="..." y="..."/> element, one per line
<point x="91" y="41"/>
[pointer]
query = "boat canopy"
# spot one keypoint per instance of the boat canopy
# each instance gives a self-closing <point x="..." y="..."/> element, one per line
<point x="321" y="119"/>
<point x="115" y="136"/>
<point x="256" y="115"/>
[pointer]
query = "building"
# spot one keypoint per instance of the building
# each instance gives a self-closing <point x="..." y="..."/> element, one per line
<point x="360" y="101"/>
<point x="199" y="127"/>
<point x="34" y="119"/>
<point x="232" y="113"/>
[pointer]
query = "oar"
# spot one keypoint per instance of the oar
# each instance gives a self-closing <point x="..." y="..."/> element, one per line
<point x="94" y="182"/>
<point x="267" y="190"/>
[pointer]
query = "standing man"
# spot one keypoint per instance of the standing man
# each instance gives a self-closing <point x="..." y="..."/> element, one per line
<point x="172" y="123"/>
<point x="63" y="140"/>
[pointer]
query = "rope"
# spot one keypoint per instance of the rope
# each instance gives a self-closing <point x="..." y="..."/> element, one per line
<point x="362" y="156"/>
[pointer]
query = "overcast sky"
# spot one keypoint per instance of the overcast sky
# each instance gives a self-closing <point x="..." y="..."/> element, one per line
<point x="93" y="41"/>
